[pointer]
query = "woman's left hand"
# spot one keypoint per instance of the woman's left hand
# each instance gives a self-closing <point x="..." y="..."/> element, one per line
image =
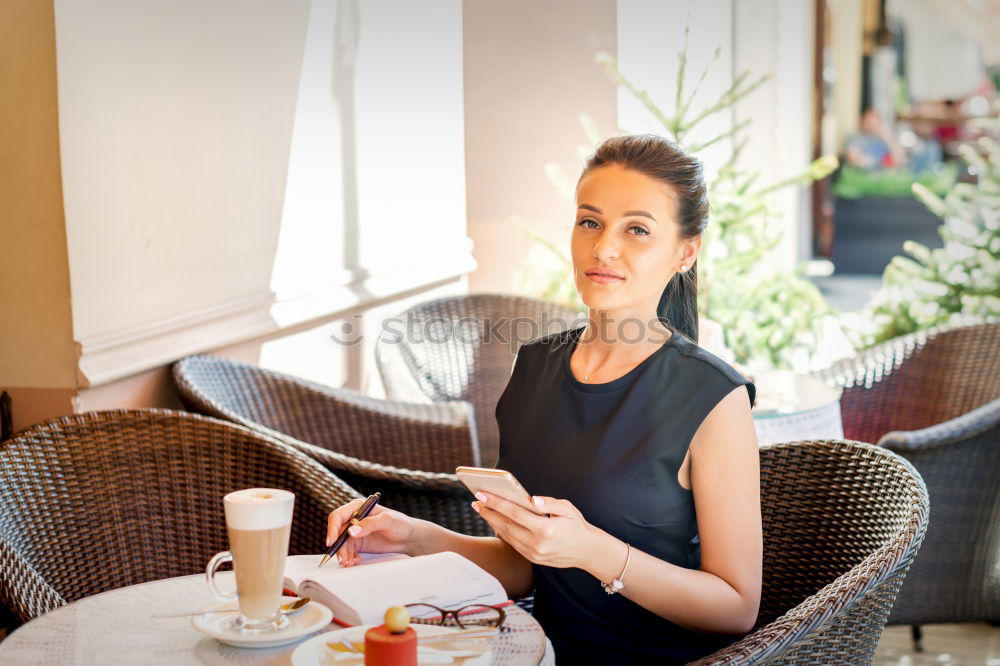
<point x="557" y="540"/>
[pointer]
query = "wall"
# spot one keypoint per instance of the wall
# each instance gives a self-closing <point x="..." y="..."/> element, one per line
<point x="247" y="174"/>
<point x="650" y="39"/>
<point x="176" y="120"/>
<point x="529" y="74"/>
<point x="775" y="37"/>
<point x="37" y="355"/>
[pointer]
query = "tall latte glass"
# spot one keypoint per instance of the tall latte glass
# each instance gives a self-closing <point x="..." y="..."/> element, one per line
<point x="259" y="521"/>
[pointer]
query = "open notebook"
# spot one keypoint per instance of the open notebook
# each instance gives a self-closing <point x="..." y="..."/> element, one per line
<point x="361" y="594"/>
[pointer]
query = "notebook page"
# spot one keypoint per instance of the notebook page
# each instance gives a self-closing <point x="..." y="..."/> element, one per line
<point x="443" y="579"/>
<point x="300" y="567"/>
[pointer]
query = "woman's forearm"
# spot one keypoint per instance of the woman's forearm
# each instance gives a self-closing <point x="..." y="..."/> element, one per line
<point x="691" y="598"/>
<point x="490" y="553"/>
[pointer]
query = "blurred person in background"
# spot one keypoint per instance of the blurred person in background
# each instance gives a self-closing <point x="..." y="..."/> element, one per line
<point x="874" y="147"/>
<point x="922" y="148"/>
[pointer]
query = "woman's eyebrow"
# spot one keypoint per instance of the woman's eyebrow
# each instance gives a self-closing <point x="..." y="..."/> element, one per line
<point x="628" y="213"/>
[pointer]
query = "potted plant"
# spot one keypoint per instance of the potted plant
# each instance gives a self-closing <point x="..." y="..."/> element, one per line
<point x="875" y="211"/>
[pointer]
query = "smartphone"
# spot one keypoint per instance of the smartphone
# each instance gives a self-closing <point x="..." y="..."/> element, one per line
<point x="497" y="482"/>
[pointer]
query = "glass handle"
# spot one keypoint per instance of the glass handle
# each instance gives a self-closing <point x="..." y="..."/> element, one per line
<point x="213" y="565"/>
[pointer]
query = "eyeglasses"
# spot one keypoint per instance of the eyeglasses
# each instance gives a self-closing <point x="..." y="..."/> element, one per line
<point x="475" y="615"/>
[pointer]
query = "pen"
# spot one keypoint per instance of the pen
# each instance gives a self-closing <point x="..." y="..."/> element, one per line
<point x="359" y="515"/>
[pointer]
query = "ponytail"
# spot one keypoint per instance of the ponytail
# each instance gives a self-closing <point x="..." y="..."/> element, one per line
<point x="678" y="308"/>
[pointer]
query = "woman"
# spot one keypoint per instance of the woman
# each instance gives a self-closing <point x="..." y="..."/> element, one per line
<point x="621" y="429"/>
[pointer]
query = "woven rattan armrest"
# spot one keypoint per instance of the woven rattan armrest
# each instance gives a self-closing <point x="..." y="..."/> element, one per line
<point x="453" y="413"/>
<point x="954" y="430"/>
<point x="418" y="434"/>
<point x="819" y="612"/>
<point x="411" y="478"/>
<point x="33" y="596"/>
<point x="346" y="429"/>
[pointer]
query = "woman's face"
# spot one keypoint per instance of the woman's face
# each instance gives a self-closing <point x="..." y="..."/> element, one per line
<point x="626" y="241"/>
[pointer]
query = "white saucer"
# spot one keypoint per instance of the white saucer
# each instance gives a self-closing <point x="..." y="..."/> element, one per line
<point x="314" y="651"/>
<point x="313" y="617"/>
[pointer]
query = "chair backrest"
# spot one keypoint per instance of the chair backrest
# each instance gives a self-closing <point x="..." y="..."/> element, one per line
<point x="353" y="427"/>
<point x="956" y="577"/>
<point x="842" y="522"/>
<point x="101" y="500"/>
<point x="918" y="380"/>
<point x="463" y="348"/>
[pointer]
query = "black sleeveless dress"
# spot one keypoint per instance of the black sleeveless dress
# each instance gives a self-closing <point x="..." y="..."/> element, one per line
<point x="614" y="451"/>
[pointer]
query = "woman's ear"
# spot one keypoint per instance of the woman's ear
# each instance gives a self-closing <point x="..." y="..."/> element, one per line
<point x="690" y="252"/>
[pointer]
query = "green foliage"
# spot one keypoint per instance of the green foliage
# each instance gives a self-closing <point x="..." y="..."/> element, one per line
<point x="770" y="316"/>
<point x="994" y="73"/>
<point x="940" y="286"/>
<point x="854" y="182"/>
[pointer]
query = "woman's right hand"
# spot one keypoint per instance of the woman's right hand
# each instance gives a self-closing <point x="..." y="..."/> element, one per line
<point x="382" y="531"/>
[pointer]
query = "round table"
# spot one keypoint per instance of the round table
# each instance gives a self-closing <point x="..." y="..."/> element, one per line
<point x="118" y="627"/>
<point x="792" y="407"/>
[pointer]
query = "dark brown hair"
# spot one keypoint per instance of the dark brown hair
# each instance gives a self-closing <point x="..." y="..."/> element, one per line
<point x="665" y="161"/>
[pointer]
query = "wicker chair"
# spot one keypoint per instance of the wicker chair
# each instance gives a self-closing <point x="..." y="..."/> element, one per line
<point x="407" y="451"/>
<point x="101" y="500"/>
<point x="842" y="522"/>
<point x="462" y="348"/>
<point x="934" y="398"/>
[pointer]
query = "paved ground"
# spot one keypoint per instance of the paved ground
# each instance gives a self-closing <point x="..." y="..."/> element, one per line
<point x="847" y="293"/>
<point x="944" y="645"/>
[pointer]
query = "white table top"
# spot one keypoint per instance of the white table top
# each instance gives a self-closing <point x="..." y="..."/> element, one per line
<point x="791" y="407"/>
<point x="782" y="393"/>
<point x="118" y="627"/>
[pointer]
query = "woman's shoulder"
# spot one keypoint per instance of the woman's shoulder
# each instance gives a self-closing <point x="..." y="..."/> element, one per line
<point x="706" y="366"/>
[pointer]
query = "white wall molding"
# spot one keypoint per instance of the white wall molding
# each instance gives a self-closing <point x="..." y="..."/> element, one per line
<point x="127" y="351"/>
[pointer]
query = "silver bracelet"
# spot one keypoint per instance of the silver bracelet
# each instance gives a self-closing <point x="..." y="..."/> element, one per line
<point x="617" y="585"/>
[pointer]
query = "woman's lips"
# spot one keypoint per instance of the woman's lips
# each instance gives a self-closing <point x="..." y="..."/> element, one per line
<point x="600" y="278"/>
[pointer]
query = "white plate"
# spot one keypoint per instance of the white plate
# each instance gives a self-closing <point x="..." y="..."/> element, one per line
<point x="313" y="617"/>
<point x="314" y="651"/>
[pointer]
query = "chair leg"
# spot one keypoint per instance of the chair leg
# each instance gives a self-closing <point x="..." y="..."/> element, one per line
<point x="918" y="638"/>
